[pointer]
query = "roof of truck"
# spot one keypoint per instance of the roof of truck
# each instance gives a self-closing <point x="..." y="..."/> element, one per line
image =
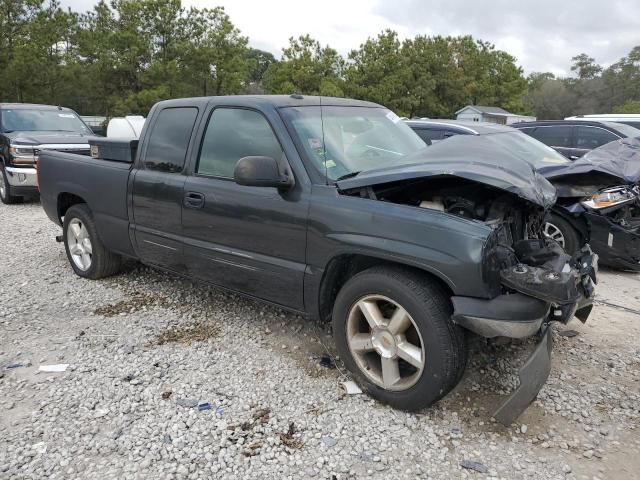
<point x="277" y="101"/>
<point x="31" y="106"/>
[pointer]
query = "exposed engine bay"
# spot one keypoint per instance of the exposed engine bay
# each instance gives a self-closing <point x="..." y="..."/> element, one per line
<point x="518" y="257"/>
<point x="510" y="216"/>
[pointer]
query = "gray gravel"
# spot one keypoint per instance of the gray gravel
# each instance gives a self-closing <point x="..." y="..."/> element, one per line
<point x="145" y="347"/>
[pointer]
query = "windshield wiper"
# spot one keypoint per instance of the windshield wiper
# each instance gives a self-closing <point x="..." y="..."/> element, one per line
<point x="348" y="175"/>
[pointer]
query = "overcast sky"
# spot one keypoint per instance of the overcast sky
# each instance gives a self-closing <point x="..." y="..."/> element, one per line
<point x="542" y="34"/>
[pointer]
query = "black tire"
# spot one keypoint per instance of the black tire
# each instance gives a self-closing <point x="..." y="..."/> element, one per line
<point x="7" y="198"/>
<point x="572" y="239"/>
<point x="103" y="262"/>
<point x="429" y="306"/>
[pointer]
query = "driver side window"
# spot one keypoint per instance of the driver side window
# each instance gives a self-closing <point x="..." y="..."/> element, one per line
<point x="234" y="133"/>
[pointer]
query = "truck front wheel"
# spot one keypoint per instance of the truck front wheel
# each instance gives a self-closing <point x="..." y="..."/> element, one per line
<point x="394" y="332"/>
<point x="86" y="253"/>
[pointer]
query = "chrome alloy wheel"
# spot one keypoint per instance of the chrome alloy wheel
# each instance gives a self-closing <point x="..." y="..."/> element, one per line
<point x="79" y="244"/>
<point x="385" y="343"/>
<point x="554" y="233"/>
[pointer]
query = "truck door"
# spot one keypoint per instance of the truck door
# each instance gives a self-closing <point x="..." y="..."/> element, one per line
<point x="158" y="188"/>
<point x="249" y="239"/>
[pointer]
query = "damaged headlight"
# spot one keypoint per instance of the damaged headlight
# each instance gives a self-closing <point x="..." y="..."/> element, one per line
<point x="610" y="197"/>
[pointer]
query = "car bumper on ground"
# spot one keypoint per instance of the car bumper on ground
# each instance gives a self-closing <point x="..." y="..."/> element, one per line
<point x="520" y="315"/>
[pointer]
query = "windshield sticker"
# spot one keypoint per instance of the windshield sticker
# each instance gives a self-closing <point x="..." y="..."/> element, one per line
<point x="66" y="115"/>
<point x="315" y="143"/>
<point x="393" y="117"/>
<point x="329" y="164"/>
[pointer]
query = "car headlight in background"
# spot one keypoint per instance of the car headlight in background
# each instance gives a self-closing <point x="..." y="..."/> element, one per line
<point x="610" y="197"/>
<point x="23" y="155"/>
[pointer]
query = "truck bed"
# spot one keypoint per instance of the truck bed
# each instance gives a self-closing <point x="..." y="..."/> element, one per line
<point x="101" y="184"/>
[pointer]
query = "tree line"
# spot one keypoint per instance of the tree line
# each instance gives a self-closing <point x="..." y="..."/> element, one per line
<point x="594" y="89"/>
<point x="122" y="57"/>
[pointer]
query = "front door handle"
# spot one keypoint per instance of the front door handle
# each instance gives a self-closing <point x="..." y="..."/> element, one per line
<point x="193" y="200"/>
<point x="574" y="157"/>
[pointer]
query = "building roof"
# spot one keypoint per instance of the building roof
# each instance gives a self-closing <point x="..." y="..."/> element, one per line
<point x="483" y="109"/>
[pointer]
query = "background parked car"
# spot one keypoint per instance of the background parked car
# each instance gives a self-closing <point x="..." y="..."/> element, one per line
<point x="574" y="138"/>
<point x="25" y="129"/>
<point x="598" y="201"/>
<point x="632" y="119"/>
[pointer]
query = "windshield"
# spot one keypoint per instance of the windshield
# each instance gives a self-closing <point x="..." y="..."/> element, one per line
<point x="26" y="120"/>
<point x="354" y="139"/>
<point x="523" y="146"/>
<point x="627" y="130"/>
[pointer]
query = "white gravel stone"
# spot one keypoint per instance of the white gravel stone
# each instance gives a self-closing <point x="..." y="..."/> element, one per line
<point x="260" y="374"/>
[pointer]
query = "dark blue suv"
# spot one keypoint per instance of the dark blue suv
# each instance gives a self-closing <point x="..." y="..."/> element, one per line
<point x="574" y="138"/>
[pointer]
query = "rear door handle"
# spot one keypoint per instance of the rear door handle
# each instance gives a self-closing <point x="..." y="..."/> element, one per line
<point x="574" y="157"/>
<point x="193" y="200"/>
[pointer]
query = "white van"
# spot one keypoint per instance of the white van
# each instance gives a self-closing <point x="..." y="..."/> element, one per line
<point x="632" y="119"/>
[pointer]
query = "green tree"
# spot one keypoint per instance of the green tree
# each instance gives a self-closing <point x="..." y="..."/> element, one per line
<point x="551" y="98"/>
<point x="622" y="79"/>
<point x="379" y="72"/>
<point x="259" y="61"/>
<point x="306" y="68"/>
<point x="434" y="76"/>
<point x="585" y="66"/>
<point x="630" y="106"/>
<point x="214" y="53"/>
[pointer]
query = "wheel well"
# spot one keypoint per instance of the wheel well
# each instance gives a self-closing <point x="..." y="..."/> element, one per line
<point x="341" y="268"/>
<point x="66" y="201"/>
<point x="578" y="224"/>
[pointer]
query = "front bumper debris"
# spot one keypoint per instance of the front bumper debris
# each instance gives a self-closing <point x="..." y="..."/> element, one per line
<point x="550" y="286"/>
<point x="511" y="315"/>
<point x="533" y="375"/>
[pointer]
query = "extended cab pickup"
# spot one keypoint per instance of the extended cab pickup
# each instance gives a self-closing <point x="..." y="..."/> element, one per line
<point x="25" y="130"/>
<point x="333" y="208"/>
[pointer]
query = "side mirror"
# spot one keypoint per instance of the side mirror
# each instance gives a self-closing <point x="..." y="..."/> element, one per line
<point x="262" y="172"/>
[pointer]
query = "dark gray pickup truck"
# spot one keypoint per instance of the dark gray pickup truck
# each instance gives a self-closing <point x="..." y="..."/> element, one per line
<point x="333" y="208"/>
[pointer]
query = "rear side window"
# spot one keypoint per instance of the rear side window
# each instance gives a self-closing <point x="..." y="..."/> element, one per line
<point x="554" y="136"/>
<point x="430" y="136"/>
<point x="234" y="133"/>
<point x="169" y="139"/>
<point x="592" y="137"/>
<point x="631" y="123"/>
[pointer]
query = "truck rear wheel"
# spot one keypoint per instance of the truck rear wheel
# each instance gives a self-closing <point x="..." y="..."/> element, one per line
<point x="86" y="253"/>
<point x="394" y="332"/>
<point x="5" y="189"/>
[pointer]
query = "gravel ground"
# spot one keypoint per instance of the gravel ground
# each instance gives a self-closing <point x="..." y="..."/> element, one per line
<point x="143" y="346"/>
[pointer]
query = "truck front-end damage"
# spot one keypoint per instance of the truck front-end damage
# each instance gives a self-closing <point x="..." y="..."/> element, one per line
<point x="539" y="283"/>
<point x="529" y="280"/>
<point x="533" y="282"/>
